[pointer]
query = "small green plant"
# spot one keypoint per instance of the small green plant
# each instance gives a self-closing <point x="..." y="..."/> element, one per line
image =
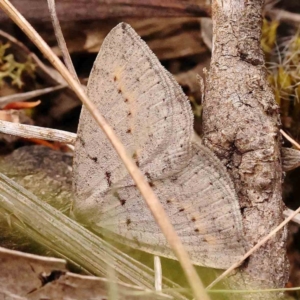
<point x="283" y="62"/>
<point x="269" y="33"/>
<point x="12" y="70"/>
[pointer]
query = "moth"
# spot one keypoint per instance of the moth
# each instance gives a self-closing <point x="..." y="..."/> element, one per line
<point x="153" y="118"/>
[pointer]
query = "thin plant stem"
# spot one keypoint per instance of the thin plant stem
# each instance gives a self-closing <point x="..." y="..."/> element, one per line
<point x="258" y="245"/>
<point x="60" y="39"/>
<point x="290" y="139"/>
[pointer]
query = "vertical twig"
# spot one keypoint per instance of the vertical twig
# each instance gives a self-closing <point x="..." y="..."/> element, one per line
<point x="241" y="125"/>
<point x="291" y="216"/>
<point x="60" y="39"/>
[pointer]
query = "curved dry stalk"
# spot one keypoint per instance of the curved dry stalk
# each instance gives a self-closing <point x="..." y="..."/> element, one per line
<point x="253" y="249"/>
<point x="151" y="199"/>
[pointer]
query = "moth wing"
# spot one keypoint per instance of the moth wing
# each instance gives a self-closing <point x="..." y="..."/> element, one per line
<point x="200" y="201"/>
<point x="136" y="96"/>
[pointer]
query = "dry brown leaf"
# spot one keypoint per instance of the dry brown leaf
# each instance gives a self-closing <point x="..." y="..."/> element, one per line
<point x="31" y="277"/>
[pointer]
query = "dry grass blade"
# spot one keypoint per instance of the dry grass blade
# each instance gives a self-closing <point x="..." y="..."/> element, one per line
<point x="152" y="201"/>
<point x="52" y="229"/>
<point x="258" y="245"/>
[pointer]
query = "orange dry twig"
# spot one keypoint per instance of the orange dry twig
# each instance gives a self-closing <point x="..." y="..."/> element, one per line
<point x="21" y="105"/>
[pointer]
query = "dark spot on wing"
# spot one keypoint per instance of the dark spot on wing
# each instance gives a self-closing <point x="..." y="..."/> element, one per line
<point x="128" y="221"/>
<point x="115" y="78"/>
<point x="116" y="194"/>
<point x="193" y="219"/>
<point x="128" y="130"/>
<point x="122" y="201"/>
<point x="125" y="100"/>
<point x="135" y="158"/>
<point x="95" y="159"/>
<point x="181" y="209"/>
<point x="81" y="140"/>
<point x="129" y="113"/>
<point x="149" y="179"/>
<point x="108" y="176"/>
<point x="134" y="155"/>
<point x="173" y="179"/>
<point x="196" y="230"/>
<point x="169" y="201"/>
<point x="123" y="25"/>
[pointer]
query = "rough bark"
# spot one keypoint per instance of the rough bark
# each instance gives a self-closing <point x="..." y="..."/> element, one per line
<point x="37" y="11"/>
<point x="241" y="125"/>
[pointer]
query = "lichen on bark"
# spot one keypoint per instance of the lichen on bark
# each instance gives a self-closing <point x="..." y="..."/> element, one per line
<point x="241" y="125"/>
